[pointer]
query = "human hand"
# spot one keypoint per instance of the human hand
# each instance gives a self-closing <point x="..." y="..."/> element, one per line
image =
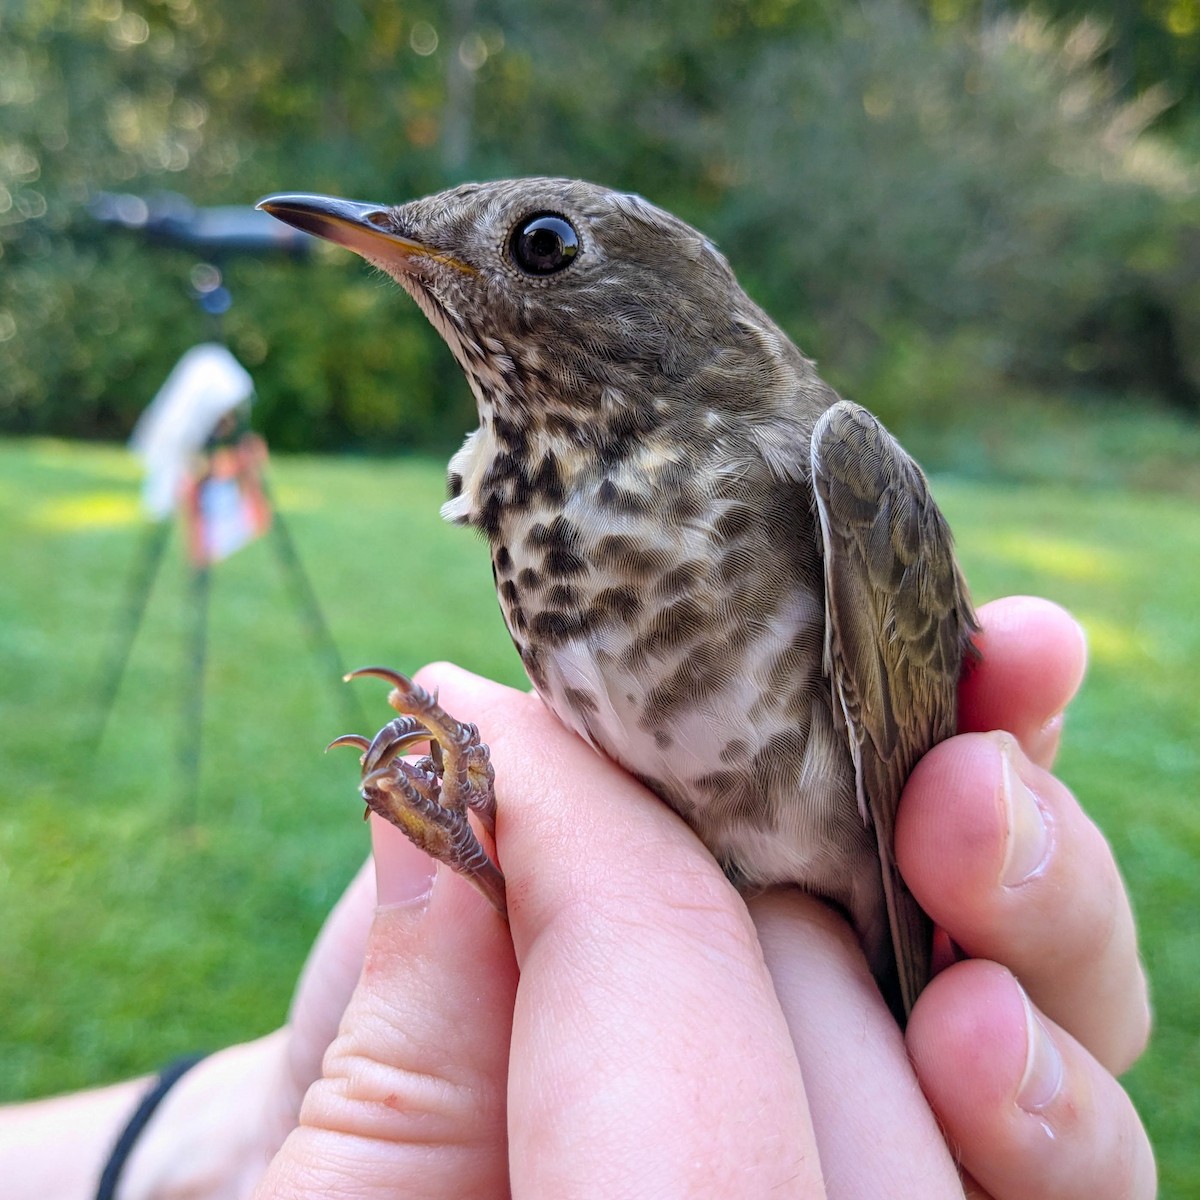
<point x="648" y="1050"/>
<point x="999" y="853"/>
<point x="1066" y="932"/>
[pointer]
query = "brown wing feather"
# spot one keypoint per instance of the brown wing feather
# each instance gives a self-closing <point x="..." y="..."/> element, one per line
<point x="899" y="621"/>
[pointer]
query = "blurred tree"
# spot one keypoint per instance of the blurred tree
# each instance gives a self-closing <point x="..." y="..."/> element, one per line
<point x="1150" y="42"/>
<point x="938" y="210"/>
<point x="224" y="101"/>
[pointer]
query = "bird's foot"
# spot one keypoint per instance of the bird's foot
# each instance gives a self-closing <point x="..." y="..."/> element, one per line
<point x="429" y="799"/>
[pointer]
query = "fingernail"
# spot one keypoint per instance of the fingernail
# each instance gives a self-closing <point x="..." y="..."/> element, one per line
<point x="1028" y="840"/>
<point x="1043" y="745"/>
<point x="1051" y="731"/>
<point x="404" y="874"/>
<point x="1043" y="1077"/>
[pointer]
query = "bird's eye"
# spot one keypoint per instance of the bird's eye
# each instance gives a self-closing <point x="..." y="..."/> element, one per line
<point x="543" y="244"/>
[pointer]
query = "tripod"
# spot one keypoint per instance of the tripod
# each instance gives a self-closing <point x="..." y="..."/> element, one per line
<point x="192" y="392"/>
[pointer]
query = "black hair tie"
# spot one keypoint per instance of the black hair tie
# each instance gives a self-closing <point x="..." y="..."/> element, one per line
<point x="167" y="1078"/>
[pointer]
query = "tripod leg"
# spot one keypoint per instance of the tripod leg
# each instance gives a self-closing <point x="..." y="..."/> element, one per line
<point x="191" y="732"/>
<point x="319" y="636"/>
<point x="137" y="594"/>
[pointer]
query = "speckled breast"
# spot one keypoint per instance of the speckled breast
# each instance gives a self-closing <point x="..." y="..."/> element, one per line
<point x="674" y="618"/>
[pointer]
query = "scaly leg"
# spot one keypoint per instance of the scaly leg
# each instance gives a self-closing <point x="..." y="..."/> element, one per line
<point x="429" y="799"/>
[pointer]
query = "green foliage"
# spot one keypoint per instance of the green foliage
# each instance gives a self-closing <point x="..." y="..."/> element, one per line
<point x="986" y="197"/>
<point x="1152" y="42"/>
<point x="353" y="362"/>
<point x="135" y="929"/>
<point x="207" y="99"/>
<point x="975" y="195"/>
<point x="1065" y="443"/>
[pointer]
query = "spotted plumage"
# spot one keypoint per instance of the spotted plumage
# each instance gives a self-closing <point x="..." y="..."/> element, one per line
<point x="714" y="569"/>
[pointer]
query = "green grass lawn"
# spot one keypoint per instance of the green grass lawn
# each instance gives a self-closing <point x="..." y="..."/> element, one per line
<point x="132" y="933"/>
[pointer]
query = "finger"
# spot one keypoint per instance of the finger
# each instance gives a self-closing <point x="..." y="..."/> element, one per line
<point x="1000" y="855"/>
<point x="1033" y="655"/>
<point x="321" y="996"/>
<point x="1032" y="1114"/>
<point x="875" y="1132"/>
<point x="650" y="1056"/>
<point x="411" y="1101"/>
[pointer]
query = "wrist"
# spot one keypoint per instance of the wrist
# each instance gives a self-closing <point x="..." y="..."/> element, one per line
<point x="207" y="1140"/>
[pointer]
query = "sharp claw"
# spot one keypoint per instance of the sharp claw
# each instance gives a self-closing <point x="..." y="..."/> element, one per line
<point x="404" y="689"/>
<point x="386" y="673"/>
<point x="394" y="739"/>
<point x="349" y="739"/>
<point x="380" y="756"/>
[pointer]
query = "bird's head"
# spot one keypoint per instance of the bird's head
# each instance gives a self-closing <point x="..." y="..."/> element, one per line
<point x="561" y="300"/>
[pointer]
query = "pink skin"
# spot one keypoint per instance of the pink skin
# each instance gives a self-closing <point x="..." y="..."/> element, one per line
<point x="644" y="1031"/>
<point x="640" y="1029"/>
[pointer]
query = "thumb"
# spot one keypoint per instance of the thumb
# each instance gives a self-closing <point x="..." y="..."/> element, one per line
<point x="411" y="1099"/>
